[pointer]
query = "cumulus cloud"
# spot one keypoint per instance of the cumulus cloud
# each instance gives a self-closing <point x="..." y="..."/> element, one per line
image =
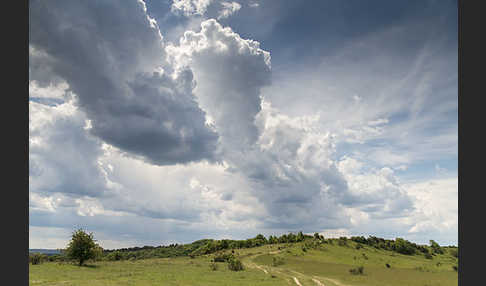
<point x="113" y="60"/>
<point x="62" y="156"/>
<point x="113" y="111"/>
<point x="229" y="72"/>
<point x="229" y="8"/>
<point x="190" y="7"/>
<point x="436" y="203"/>
<point x="205" y="8"/>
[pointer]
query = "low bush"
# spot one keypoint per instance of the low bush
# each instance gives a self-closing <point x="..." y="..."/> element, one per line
<point x="342" y="241"/>
<point x="213" y="266"/>
<point x="428" y="256"/>
<point x="37" y="258"/>
<point x="357" y="271"/>
<point x="115" y="256"/>
<point x="235" y="264"/>
<point x="422" y="269"/>
<point x="223" y="257"/>
<point x="276" y="261"/>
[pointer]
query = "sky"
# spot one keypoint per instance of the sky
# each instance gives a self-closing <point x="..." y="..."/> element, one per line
<point x="156" y="122"/>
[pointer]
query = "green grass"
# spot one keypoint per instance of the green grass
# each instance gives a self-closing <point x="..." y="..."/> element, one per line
<point x="156" y="271"/>
<point x="329" y="264"/>
<point x="334" y="262"/>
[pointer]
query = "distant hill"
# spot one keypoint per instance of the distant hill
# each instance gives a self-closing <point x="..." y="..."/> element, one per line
<point x="45" y="251"/>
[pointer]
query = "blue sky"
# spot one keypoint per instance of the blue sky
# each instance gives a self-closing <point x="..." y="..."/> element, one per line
<point x="169" y="121"/>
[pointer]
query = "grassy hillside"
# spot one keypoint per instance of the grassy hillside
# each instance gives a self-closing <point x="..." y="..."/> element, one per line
<point x="300" y="263"/>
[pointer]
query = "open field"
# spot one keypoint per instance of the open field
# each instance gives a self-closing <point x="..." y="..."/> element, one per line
<point x="325" y="265"/>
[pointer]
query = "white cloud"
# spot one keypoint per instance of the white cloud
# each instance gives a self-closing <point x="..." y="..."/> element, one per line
<point x="190" y="7"/>
<point x="229" y="8"/>
<point x="124" y="86"/>
<point x="109" y="128"/>
<point x="229" y="72"/>
<point x="436" y="203"/>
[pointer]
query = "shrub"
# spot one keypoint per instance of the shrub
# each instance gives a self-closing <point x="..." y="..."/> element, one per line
<point x="428" y="255"/>
<point x="343" y="241"/>
<point x="276" y="261"/>
<point x="357" y="271"/>
<point x="37" y="258"/>
<point x="213" y="266"/>
<point x="235" y="264"/>
<point x="114" y="256"/>
<point x="436" y="248"/>
<point x="223" y="257"/>
<point x="364" y="256"/>
<point x="422" y="269"/>
<point x="359" y="246"/>
<point x="387" y="265"/>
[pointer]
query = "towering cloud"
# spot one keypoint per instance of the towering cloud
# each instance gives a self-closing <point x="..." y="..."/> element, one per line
<point x="229" y="71"/>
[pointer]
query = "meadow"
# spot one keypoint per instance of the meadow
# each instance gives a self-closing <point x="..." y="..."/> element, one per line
<point x="299" y="263"/>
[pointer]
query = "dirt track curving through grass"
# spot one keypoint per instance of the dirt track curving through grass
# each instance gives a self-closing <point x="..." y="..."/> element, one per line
<point x="297" y="281"/>
<point x="249" y="262"/>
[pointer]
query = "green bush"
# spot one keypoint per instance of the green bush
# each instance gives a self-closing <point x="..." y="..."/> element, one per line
<point x="276" y="261"/>
<point x="436" y="248"/>
<point x="235" y="264"/>
<point x="223" y="257"/>
<point x="343" y="241"/>
<point x="37" y="258"/>
<point x="357" y="271"/>
<point x="213" y="266"/>
<point x="428" y="256"/>
<point x="115" y="256"/>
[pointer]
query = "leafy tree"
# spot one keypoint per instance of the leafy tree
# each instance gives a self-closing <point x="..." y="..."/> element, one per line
<point x="83" y="247"/>
<point x="403" y="246"/>
<point x="436" y="247"/>
<point x="300" y="236"/>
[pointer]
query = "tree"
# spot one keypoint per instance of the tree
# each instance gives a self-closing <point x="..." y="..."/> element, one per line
<point x="300" y="236"/>
<point x="83" y="247"/>
<point x="436" y="247"/>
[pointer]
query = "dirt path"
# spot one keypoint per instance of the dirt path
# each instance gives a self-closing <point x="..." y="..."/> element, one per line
<point x="332" y="280"/>
<point x="261" y="268"/>
<point x="316" y="279"/>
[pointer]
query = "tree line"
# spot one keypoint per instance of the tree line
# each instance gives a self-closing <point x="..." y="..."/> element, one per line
<point x="83" y="247"/>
